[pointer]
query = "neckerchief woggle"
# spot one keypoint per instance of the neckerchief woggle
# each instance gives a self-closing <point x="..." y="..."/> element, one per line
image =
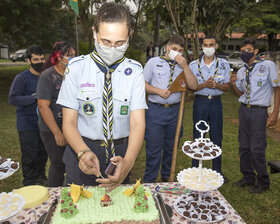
<point x="200" y="73"/>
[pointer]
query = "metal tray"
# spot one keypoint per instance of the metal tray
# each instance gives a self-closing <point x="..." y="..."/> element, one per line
<point x="165" y="211"/>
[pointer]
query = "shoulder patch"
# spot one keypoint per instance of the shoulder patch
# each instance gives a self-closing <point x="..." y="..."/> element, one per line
<point x="134" y="62"/>
<point x="73" y="60"/>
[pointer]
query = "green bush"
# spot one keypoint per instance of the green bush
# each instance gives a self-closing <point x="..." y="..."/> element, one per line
<point x="135" y="55"/>
<point x="84" y="48"/>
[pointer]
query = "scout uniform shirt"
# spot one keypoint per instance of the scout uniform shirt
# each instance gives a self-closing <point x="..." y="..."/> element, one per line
<point x="220" y="73"/>
<point x="82" y="90"/>
<point x="157" y="74"/>
<point x="263" y="78"/>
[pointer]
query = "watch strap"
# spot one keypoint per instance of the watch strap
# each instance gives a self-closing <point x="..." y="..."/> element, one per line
<point x="81" y="153"/>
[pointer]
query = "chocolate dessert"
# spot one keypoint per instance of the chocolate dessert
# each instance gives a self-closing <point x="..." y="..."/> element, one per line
<point x="206" y="148"/>
<point x="197" y="155"/>
<point x="14" y="166"/>
<point x="207" y="154"/>
<point x="4" y="170"/>
<point x="2" y="160"/>
<point x="201" y="144"/>
<point x="213" y="153"/>
<point x="204" y="217"/>
<point x="194" y="216"/>
<point x="186" y="213"/>
<point x="202" y="206"/>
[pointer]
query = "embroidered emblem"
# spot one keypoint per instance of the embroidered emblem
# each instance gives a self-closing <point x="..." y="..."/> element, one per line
<point x="259" y="83"/>
<point x="182" y="83"/>
<point x="124" y="110"/>
<point x="88" y="109"/>
<point x="87" y="85"/>
<point x="197" y="75"/>
<point x="261" y="69"/>
<point x="275" y="81"/>
<point x="128" y="71"/>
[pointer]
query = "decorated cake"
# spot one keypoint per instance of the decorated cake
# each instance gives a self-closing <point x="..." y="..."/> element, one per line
<point x="113" y="207"/>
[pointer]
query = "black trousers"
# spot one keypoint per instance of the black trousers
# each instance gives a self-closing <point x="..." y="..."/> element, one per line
<point x="55" y="153"/>
<point x="252" y="145"/>
<point x="73" y="172"/>
<point x="33" y="156"/>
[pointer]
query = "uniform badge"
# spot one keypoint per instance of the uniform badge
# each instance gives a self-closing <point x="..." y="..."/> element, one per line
<point x="128" y="71"/>
<point x="223" y="66"/>
<point x="275" y="81"/>
<point x="88" y="109"/>
<point x="124" y="110"/>
<point x="262" y="69"/>
<point x="259" y="83"/>
<point x="182" y="83"/>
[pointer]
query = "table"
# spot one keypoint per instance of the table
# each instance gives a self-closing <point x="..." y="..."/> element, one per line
<point x="28" y="215"/>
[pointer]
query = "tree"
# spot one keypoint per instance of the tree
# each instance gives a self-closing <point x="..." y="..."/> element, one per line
<point x="263" y="18"/>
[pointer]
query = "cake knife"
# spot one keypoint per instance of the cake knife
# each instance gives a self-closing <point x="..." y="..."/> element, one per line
<point x="50" y="212"/>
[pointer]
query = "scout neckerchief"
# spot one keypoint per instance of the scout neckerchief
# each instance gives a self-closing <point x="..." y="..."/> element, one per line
<point x="172" y="65"/>
<point x="107" y="108"/>
<point x="249" y="69"/>
<point x="200" y="73"/>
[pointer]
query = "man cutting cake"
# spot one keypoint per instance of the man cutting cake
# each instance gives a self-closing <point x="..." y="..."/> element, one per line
<point x="103" y="99"/>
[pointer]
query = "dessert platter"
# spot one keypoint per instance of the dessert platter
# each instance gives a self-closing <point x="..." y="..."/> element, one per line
<point x="7" y="167"/>
<point x="10" y="204"/>
<point x="200" y="205"/>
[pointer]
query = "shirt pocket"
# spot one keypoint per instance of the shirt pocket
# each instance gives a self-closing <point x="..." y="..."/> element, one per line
<point x="89" y="103"/>
<point x="121" y="105"/>
<point x="260" y="79"/>
<point x="162" y="72"/>
<point x="219" y="78"/>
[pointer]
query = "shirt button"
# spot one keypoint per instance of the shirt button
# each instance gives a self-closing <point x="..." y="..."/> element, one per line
<point x="125" y="100"/>
<point x="87" y="98"/>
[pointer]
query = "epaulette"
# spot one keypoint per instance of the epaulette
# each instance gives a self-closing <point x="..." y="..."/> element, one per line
<point x="73" y="60"/>
<point x="134" y="62"/>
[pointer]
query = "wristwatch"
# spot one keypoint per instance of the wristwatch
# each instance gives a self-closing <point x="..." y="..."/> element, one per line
<point x="81" y="153"/>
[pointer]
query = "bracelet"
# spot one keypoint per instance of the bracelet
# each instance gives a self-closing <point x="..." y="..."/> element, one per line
<point x="81" y="153"/>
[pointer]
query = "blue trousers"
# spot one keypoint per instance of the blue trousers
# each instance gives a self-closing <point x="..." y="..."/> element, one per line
<point x="161" y="123"/>
<point x="211" y="111"/>
<point x="252" y="145"/>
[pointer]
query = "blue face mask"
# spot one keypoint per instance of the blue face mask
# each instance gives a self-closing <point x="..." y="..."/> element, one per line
<point x="246" y="56"/>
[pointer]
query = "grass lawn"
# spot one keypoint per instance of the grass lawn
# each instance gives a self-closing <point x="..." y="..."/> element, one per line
<point x="255" y="209"/>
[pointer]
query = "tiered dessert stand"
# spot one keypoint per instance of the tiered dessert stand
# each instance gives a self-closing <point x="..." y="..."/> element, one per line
<point x="200" y="205"/>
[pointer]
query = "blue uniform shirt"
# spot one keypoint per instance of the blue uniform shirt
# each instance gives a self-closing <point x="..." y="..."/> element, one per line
<point x="221" y="76"/>
<point x="263" y="78"/>
<point x="22" y="94"/>
<point x="82" y="90"/>
<point x="157" y="74"/>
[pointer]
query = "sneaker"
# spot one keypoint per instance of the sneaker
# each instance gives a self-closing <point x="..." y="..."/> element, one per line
<point x="242" y="183"/>
<point x="258" y="189"/>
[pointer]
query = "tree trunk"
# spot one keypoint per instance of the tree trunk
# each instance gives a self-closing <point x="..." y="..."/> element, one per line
<point x="156" y="33"/>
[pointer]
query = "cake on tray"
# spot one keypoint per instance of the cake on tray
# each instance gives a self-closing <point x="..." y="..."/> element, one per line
<point x="121" y="209"/>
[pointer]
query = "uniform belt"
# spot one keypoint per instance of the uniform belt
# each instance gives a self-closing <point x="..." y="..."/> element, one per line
<point x="209" y="97"/>
<point x="120" y="141"/>
<point x="165" y="105"/>
<point x="253" y="106"/>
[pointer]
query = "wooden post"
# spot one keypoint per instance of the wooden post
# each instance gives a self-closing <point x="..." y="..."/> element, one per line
<point x="177" y="135"/>
<point x="179" y="85"/>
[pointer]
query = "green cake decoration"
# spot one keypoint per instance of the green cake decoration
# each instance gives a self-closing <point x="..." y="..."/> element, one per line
<point x="68" y="208"/>
<point x="141" y="200"/>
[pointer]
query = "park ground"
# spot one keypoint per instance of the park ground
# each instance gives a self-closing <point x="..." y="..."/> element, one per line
<point x="254" y="209"/>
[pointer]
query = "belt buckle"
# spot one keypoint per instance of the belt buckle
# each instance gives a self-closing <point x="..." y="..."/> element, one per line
<point x="210" y="97"/>
<point x="248" y="105"/>
<point x="166" y="105"/>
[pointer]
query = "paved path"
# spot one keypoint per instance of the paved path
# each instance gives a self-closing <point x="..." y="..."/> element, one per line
<point x="9" y="64"/>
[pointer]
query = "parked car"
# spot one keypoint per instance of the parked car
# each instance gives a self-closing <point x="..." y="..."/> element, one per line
<point x="19" y="55"/>
<point x="235" y="61"/>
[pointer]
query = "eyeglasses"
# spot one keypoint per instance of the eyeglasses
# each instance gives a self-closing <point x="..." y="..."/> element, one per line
<point x="248" y="50"/>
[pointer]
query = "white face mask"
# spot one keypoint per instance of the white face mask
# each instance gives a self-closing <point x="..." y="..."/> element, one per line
<point x="209" y="51"/>
<point x="172" y="54"/>
<point x="110" y="54"/>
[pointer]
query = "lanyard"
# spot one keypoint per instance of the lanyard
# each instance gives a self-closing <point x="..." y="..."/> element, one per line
<point x="200" y="73"/>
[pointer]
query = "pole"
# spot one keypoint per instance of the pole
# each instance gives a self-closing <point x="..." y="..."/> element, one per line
<point x="77" y="37"/>
<point x="177" y="135"/>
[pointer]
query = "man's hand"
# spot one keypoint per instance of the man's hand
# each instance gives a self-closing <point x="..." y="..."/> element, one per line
<point x="233" y="79"/>
<point x="120" y="174"/>
<point x="164" y="93"/>
<point x="89" y="164"/>
<point x="181" y="61"/>
<point x="210" y="83"/>
<point x="59" y="139"/>
<point x="272" y="120"/>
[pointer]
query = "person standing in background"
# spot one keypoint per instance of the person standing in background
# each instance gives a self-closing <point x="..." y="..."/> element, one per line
<point x="23" y="95"/>
<point x="162" y="115"/>
<point x="213" y="75"/>
<point x="50" y="117"/>
<point x="150" y="51"/>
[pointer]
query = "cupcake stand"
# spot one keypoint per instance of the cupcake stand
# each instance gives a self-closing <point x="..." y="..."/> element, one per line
<point x="200" y="205"/>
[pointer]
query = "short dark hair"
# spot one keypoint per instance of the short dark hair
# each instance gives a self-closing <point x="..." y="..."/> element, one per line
<point x="34" y="49"/>
<point x="250" y="41"/>
<point x="176" y="39"/>
<point x="210" y="37"/>
<point x="112" y="13"/>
